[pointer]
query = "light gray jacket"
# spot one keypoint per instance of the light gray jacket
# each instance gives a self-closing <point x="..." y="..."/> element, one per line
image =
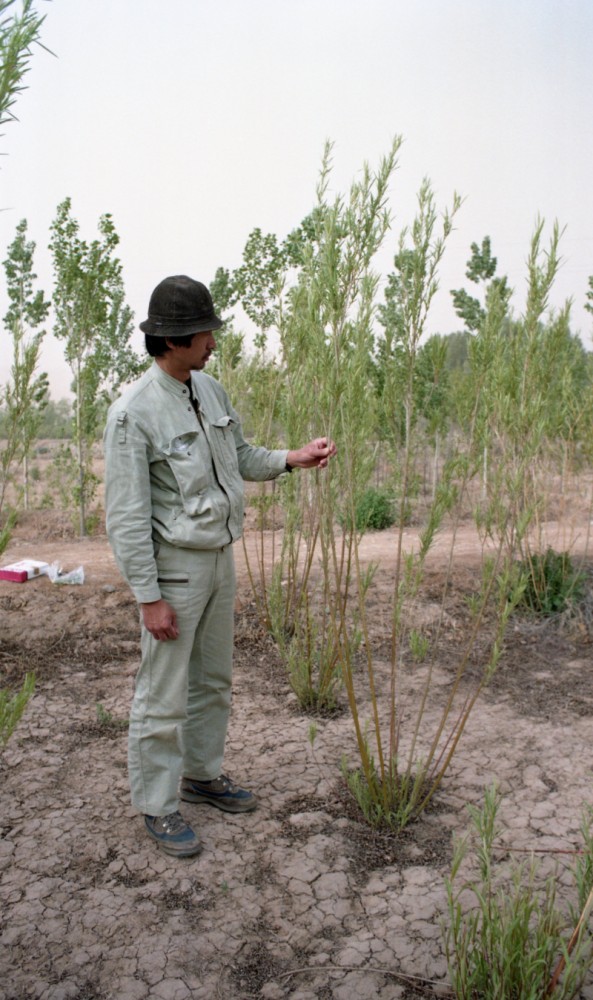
<point x="171" y="476"/>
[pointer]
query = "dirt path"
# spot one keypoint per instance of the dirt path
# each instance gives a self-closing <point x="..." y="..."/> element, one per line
<point x="297" y="900"/>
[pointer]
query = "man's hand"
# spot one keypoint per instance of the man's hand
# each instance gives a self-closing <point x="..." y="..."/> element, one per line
<point x="160" y="620"/>
<point x="314" y="455"/>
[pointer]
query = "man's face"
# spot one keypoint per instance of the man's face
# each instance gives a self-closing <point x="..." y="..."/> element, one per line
<point x="196" y="352"/>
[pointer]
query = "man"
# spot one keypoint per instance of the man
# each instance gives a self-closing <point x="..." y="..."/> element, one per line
<point x="175" y="460"/>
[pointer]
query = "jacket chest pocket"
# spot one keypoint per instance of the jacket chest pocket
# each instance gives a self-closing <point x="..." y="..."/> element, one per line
<point x="188" y="458"/>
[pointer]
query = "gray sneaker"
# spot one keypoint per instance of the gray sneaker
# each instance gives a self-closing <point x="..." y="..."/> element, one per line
<point x="173" y="835"/>
<point x="220" y="792"/>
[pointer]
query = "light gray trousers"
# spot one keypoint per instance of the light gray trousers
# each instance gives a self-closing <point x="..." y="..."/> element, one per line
<point x="182" y="699"/>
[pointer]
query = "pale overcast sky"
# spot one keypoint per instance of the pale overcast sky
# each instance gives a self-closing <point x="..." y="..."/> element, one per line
<point x="193" y="121"/>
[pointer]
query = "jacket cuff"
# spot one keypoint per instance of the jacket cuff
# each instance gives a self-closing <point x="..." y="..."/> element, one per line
<point x="146" y="595"/>
<point x="282" y="457"/>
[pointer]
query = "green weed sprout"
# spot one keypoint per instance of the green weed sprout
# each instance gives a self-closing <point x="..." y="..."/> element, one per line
<point x="12" y="707"/>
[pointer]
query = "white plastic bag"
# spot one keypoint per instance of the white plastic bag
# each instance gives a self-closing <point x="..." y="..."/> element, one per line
<point x="56" y="576"/>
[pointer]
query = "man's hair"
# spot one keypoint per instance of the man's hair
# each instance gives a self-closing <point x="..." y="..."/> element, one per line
<point x="158" y="346"/>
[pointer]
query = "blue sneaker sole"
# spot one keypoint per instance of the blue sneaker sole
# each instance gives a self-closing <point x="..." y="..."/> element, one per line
<point x="220" y="802"/>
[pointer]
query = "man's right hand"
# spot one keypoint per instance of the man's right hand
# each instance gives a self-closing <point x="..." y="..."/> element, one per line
<point x="160" y="620"/>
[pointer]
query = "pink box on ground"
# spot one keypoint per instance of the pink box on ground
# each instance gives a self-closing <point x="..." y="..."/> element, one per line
<point x="26" y="569"/>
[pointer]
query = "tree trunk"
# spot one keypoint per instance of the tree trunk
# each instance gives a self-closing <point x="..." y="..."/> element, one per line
<point x="81" y="457"/>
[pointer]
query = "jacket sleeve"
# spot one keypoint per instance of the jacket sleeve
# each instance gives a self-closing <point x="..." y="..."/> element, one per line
<point x="255" y="464"/>
<point x="128" y="506"/>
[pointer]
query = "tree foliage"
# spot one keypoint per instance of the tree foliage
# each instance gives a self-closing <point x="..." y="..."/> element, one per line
<point x="412" y="376"/>
<point x="17" y="35"/>
<point x="589" y="296"/>
<point x="481" y="270"/>
<point x="24" y="396"/>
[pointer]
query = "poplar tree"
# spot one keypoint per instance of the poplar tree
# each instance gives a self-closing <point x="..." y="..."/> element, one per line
<point x="488" y="322"/>
<point x="400" y="358"/>
<point x="26" y="393"/>
<point x="93" y="320"/>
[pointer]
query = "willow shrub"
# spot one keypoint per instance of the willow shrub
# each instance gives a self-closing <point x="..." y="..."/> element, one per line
<point x="375" y="511"/>
<point x="505" y="935"/>
<point x="406" y="749"/>
<point x="409" y="747"/>
<point x="553" y="583"/>
<point x="320" y="588"/>
<point x="317" y="597"/>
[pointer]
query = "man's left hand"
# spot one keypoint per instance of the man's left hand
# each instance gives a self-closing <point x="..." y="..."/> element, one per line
<point x="314" y="455"/>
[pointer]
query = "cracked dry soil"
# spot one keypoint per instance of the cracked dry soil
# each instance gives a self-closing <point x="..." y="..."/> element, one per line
<point x="299" y="899"/>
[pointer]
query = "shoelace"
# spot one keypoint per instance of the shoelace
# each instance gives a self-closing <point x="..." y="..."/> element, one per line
<point x="221" y="784"/>
<point x="173" y="823"/>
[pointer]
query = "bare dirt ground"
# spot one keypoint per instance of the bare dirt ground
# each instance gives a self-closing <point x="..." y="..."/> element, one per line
<point x="300" y="899"/>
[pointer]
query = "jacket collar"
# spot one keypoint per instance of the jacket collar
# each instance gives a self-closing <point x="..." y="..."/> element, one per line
<point x="172" y="385"/>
